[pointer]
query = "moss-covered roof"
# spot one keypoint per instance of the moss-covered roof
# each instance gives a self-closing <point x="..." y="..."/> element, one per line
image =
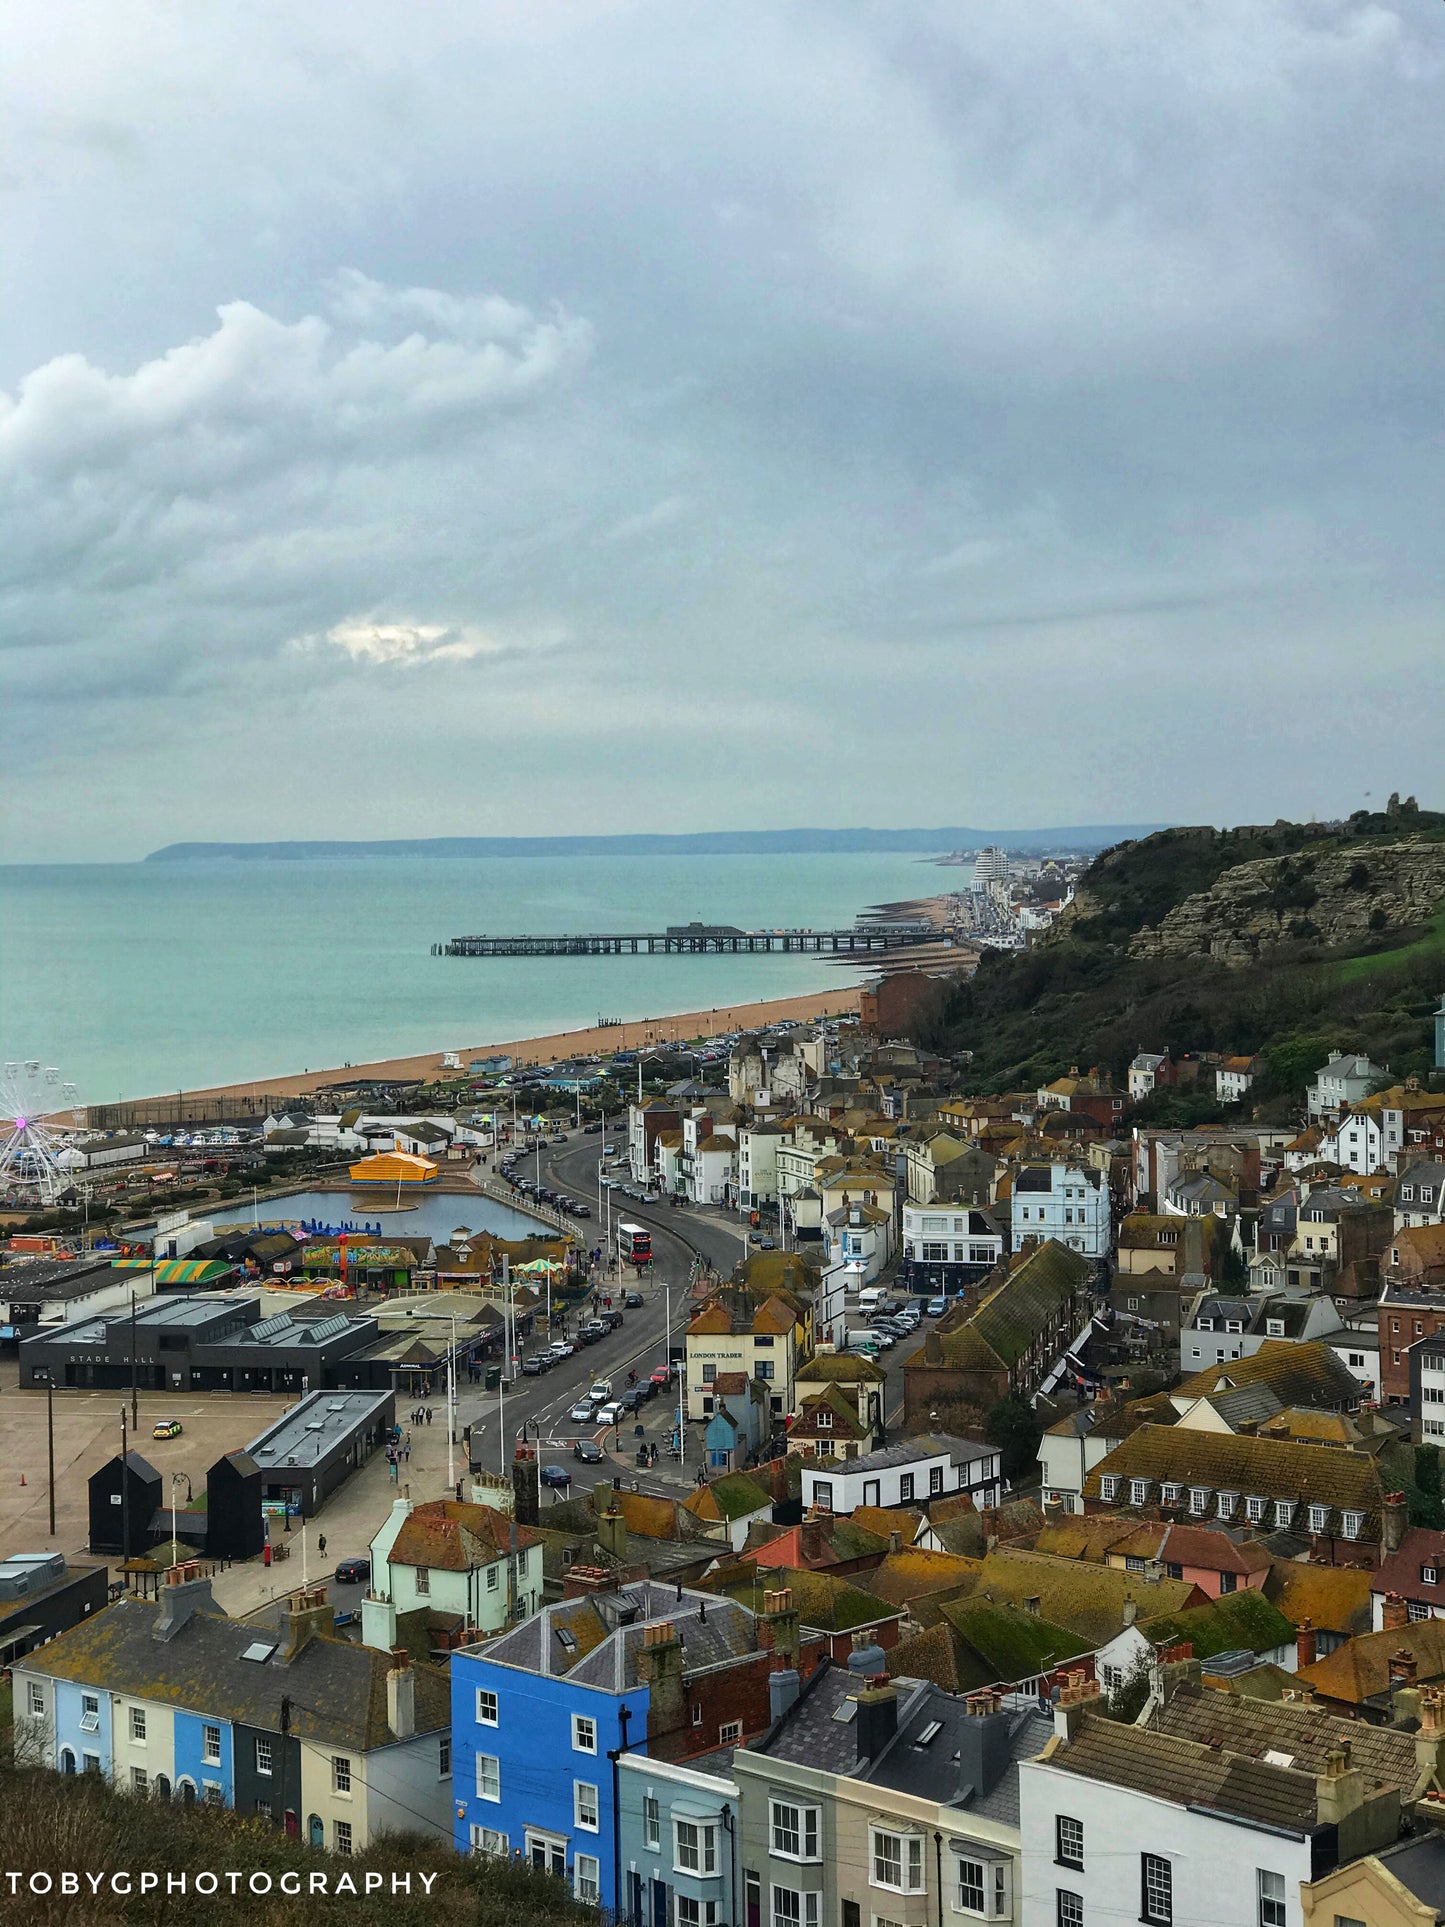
<point x="1312" y="1374"/>
<point x="1010" y="1644"/>
<point x="1024" y="1304"/>
<point x="733" y="1496"/>
<point x="910" y="1574"/>
<point x="820" y="1599"/>
<point x="841" y="1368"/>
<point x="1242" y="1621"/>
<point x="1093" y="1601"/>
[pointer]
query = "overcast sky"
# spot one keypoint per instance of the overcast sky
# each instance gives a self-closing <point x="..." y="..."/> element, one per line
<point x="532" y="417"/>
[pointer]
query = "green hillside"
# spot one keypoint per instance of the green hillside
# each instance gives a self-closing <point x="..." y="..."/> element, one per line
<point x="1097" y="989"/>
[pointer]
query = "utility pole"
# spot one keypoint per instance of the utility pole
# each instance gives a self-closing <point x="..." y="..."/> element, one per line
<point x="134" y="1415"/>
<point x="124" y="1492"/>
<point x="50" y="1442"/>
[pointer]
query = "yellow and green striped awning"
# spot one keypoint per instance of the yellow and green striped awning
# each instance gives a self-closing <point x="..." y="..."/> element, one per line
<point x="179" y="1271"/>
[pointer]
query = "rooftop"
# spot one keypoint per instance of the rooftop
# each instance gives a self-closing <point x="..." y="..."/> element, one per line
<point x="308" y="1432"/>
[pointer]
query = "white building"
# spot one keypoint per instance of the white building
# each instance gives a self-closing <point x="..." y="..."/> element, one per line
<point x="1420" y="1195"/>
<point x="1153" y="1823"/>
<point x="1063" y="1201"/>
<point x="758" y="1163"/>
<point x="1357" y="1143"/>
<point x="451" y="1557"/>
<point x="1144" y="1073"/>
<point x="905" y="1474"/>
<point x="1234" y="1077"/>
<point x="1070" y="1449"/>
<point x="955" y="1241"/>
<point x="1343" y="1080"/>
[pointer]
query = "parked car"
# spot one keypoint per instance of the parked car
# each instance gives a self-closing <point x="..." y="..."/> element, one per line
<point x="353" y="1572"/>
<point x="592" y="1130"/>
<point x="612" y="1319"/>
<point x="755" y="1237"/>
<point x="560" y="1138"/>
<point x="588" y="1450"/>
<point x="166" y="1428"/>
<point x="937" y="1307"/>
<point x="768" y="1244"/>
<point x="581" y="1412"/>
<point x="592" y="1331"/>
<point x="536" y="1364"/>
<point x="882" y="1338"/>
<point x="581" y="1211"/>
<point x="561" y="1348"/>
<point x="600" y="1391"/>
<point x="611" y="1413"/>
<point x="632" y="1300"/>
<point x="555" y="1475"/>
<point x="662" y="1377"/>
<point x="635" y="1399"/>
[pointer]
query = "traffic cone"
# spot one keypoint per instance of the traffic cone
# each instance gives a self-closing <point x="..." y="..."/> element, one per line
<point x="22" y="1478"/>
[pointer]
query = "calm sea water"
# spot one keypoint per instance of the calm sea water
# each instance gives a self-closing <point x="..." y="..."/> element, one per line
<point x="140" y="978"/>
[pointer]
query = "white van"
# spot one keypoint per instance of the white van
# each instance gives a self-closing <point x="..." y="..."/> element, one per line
<point x="863" y="1340"/>
<point x="869" y="1297"/>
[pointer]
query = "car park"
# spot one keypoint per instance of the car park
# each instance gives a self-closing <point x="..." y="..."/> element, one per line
<point x="588" y="1450"/>
<point x="555" y="1475"/>
<point x="353" y="1572"/>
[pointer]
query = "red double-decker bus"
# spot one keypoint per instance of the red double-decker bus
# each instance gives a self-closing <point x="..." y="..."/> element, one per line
<point x="634" y="1244"/>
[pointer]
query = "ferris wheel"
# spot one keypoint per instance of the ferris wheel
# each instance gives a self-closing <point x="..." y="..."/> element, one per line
<point x="33" y="1132"/>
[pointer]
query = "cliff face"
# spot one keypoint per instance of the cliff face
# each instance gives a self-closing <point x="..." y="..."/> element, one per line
<point x="1335" y="897"/>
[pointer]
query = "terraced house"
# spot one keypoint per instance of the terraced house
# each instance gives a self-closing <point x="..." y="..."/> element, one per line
<point x="734" y="1333"/>
<point x="1019" y="1334"/>
<point x="337" y="1742"/>
<point x="1323" y="1493"/>
<point x="877" y="1801"/>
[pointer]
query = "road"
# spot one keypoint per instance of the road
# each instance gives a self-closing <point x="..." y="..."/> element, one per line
<point x="681" y="1236"/>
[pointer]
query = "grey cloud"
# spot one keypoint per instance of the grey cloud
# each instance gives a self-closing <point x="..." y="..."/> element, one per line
<point x="871" y="373"/>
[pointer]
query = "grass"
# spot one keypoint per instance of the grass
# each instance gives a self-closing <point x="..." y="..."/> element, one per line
<point x="1429" y="944"/>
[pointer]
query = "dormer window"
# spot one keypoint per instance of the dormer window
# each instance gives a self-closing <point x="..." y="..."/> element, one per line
<point x="825" y="1421"/>
<point x="1429" y="1575"/>
<point x="1352" y="1525"/>
<point x="1226" y="1502"/>
<point x="1172" y="1492"/>
<point x="1109" y="1485"/>
<point x="1138" y="1491"/>
<point x="1274" y="1327"/>
<point x="1254" y="1510"/>
<point x="1283" y="1511"/>
<point x="1319" y="1518"/>
<point x="1199" y="1499"/>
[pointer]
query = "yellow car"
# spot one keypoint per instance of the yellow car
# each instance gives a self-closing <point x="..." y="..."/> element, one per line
<point x="166" y="1428"/>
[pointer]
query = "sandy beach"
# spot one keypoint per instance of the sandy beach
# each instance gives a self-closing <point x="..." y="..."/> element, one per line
<point x="678" y="1029"/>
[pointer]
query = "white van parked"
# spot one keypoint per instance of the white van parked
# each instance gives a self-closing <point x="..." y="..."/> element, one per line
<point x="863" y="1340"/>
<point x="868" y="1298"/>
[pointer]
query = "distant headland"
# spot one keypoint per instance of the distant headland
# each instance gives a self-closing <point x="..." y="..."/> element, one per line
<point x="1081" y="837"/>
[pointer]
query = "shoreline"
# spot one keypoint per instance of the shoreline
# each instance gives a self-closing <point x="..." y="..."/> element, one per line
<point x="528" y="1052"/>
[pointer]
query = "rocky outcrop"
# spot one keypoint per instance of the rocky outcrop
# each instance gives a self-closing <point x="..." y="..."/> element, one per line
<point x="1334" y="898"/>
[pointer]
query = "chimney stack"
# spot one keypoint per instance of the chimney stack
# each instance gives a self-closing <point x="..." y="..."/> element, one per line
<point x="895" y="1541"/>
<point x="302" y="1620"/>
<point x="1394" y="1520"/>
<point x="659" y="1668"/>
<point x="1340" y="1788"/>
<point x="184" y="1593"/>
<point x="1304" y="1645"/>
<point x="1078" y="1696"/>
<point x="401" y="1694"/>
<point x="778" y="1628"/>
<point x="1394" y="1613"/>
<point x="876" y="1721"/>
<point x="526" y="1486"/>
<point x="1403" y="1667"/>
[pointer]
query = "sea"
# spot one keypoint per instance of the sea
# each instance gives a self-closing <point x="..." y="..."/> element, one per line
<point x="134" y="979"/>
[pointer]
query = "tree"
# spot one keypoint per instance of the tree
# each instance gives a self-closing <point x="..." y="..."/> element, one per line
<point x="1013" y="1426"/>
<point x="1126" y="1701"/>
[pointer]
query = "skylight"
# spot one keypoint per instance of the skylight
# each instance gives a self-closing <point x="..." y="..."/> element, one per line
<point x="929" y="1733"/>
<point x="260" y="1650"/>
<point x="844" y="1713"/>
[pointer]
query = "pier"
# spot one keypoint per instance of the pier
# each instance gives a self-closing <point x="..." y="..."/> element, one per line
<point x="703" y="940"/>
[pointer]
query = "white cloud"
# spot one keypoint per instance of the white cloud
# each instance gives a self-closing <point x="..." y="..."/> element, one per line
<point x="411" y="645"/>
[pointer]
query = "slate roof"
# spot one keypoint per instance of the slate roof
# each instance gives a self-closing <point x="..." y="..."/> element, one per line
<point x="337" y="1689"/>
<point x="1385" y="1755"/>
<point x="1307" y="1474"/>
<point x="1187" y="1774"/>
<point x="1400" y="1573"/>
<point x="606" y="1630"/>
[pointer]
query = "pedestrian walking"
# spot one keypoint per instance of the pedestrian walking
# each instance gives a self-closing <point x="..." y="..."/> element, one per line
<point x="321" y="1544"/>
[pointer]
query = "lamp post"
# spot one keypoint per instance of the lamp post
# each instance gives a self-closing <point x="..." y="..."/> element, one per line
<point x="451" y="1402"/>
<point x="49" y="1382"/>
<point x="176" y="1478"/>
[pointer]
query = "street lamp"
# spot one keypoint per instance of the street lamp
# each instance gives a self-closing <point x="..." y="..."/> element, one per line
<point x="176" y="1478"/>
<point x="47" y="1379"/>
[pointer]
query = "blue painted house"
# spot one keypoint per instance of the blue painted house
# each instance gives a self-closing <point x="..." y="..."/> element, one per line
<point x="677" y="1824"/>
<point x="539" y="1714"/>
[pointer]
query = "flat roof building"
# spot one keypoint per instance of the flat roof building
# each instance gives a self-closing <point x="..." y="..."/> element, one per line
<point x="318" y="1444"/>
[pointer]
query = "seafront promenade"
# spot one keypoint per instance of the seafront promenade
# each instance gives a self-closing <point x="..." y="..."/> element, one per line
<point x="560" y="1045"/>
